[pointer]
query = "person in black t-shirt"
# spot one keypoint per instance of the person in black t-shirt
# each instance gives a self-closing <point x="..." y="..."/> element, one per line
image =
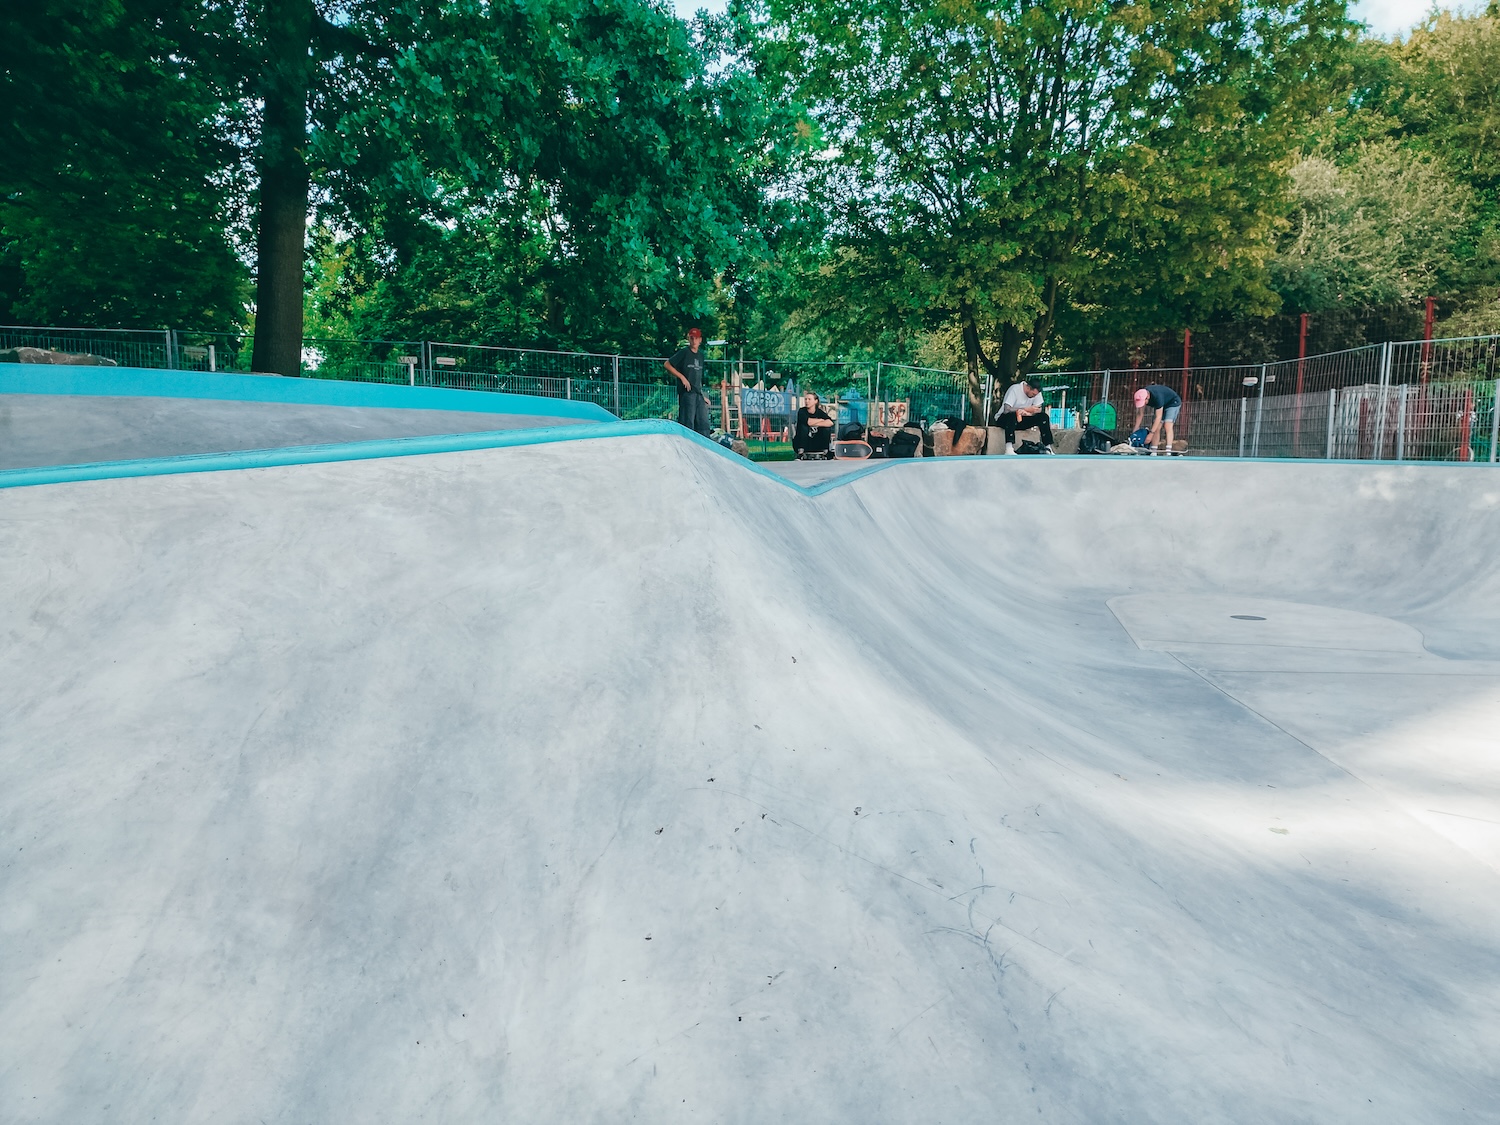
<point x="686" y="368"/>
<point x="814" y="429"/>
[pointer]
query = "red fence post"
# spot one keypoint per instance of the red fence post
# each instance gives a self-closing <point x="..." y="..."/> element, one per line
<point x="1465" y="451"/>
<point x="1187" y="362"/>
<point x="1427" y="339"/>
<point x="1301" y="363"/>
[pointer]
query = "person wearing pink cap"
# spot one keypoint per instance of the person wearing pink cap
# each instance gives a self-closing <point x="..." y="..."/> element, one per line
<point x="1167" y="403"/>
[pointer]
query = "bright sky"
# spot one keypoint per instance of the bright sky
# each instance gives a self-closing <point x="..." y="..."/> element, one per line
<point x="1396" y="17"/>
<point x="1385" y="17"/>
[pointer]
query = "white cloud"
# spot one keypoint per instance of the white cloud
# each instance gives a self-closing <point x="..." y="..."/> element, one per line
<point x="687" y="9"/>
<point x="1385" y="17"/>
<point x="1397" y="17"/>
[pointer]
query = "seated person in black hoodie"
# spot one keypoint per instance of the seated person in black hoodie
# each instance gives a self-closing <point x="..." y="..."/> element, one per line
<point x="814" y="429"/>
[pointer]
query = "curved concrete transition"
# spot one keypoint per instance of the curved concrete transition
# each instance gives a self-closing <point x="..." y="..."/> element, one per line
<point x="56" y="416"/>
<point x="39" y="430"/>
<point x="607" y="780"/>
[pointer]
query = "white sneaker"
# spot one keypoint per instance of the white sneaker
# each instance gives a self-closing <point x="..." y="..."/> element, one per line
<point x="1050" y="452"/>
<point x="1010" y="450"/>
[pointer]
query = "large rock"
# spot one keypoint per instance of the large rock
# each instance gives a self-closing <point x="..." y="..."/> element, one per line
<point x="970" y="443"/>
<point x="942" y="443"/>
<point x="46" y="355"/>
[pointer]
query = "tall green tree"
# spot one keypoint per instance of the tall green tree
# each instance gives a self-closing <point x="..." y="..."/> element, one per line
<point x="117" y="187"/>
<point x="575" y="172"/>
<point x="1389" y="225"/>
<point x="1398" y="194"/>
<point x="991" y="163"/>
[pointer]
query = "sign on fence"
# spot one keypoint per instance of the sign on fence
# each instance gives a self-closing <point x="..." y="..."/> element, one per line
<point x="765" y="402"/>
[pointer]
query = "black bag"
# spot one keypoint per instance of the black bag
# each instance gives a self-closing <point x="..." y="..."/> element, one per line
<point x="878" y="443"/>
<point x="957" y="425"/>
<point x="852" y="432"/>
<point x="1095" y="440"/>
<point x="1031" y="448"/>
<point x="904" y="443"/>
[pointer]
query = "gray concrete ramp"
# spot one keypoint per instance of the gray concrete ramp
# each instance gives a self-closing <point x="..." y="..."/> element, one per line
<point x="610" y="780"/>
<point x="38" y="430"/>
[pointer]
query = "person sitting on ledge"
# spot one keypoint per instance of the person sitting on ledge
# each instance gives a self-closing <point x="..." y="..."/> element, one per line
<point x="1021" y="409"/>
<point x="814" y="429"/>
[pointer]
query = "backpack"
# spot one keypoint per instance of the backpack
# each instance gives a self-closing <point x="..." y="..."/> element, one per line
<point x="1095" y="440"/>
<point x="1031" y="447"/>
<point x="1138" y="437"/>
<point x="904" y="443"/>
<point x="878" y="442"/>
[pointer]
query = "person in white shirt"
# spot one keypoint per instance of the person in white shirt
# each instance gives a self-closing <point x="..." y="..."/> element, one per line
<point x="1021" y="409"/>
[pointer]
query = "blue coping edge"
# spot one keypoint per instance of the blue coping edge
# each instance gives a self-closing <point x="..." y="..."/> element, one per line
<point x="395" y="447"/>
<point x="546" y="435"/>
<point x="142" y="382"/>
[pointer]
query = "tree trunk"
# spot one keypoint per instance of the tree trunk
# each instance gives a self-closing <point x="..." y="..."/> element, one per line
<point x="281" y="163"/>
<point x="1008" y="362"/>
<point x="972" y="356"/>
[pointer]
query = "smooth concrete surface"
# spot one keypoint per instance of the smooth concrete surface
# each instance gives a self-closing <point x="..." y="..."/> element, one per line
<point x="1172" y="620"/>
<point x="608" y="780"/>
<point x="38" y="430"/>
<point x="808" y="473"/>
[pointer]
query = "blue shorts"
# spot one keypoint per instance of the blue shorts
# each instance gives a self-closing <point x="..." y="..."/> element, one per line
<point x="1169" y="413"/>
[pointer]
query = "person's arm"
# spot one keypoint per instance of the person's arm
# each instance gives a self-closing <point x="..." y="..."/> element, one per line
<point x="1155" y="427"/>
<point x="822" y="421"/>
<point x="681" y="378"/>
<point x="1140" y="414"/>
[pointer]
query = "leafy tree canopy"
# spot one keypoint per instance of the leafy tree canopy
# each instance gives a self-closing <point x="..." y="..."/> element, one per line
<point x="115" y="177"/>
<point x="995" y="164"/>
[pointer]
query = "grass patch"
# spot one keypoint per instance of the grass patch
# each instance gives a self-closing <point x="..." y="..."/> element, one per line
<point x="771" y="450"/>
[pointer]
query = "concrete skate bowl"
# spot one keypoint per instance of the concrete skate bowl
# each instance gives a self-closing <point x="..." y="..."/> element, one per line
<point x="612" y="780"/>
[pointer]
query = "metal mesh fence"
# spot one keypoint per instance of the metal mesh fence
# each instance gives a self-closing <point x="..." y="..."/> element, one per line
<point x="1418" y="400"/>
<point x="91" y="346"/>
<point x="1410" y="400"/>
<point x="903" y="392"/>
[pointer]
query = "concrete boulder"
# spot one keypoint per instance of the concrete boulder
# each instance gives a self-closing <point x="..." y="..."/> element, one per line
<point x="970" y="443"/>
<point x="46" y="355"/>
